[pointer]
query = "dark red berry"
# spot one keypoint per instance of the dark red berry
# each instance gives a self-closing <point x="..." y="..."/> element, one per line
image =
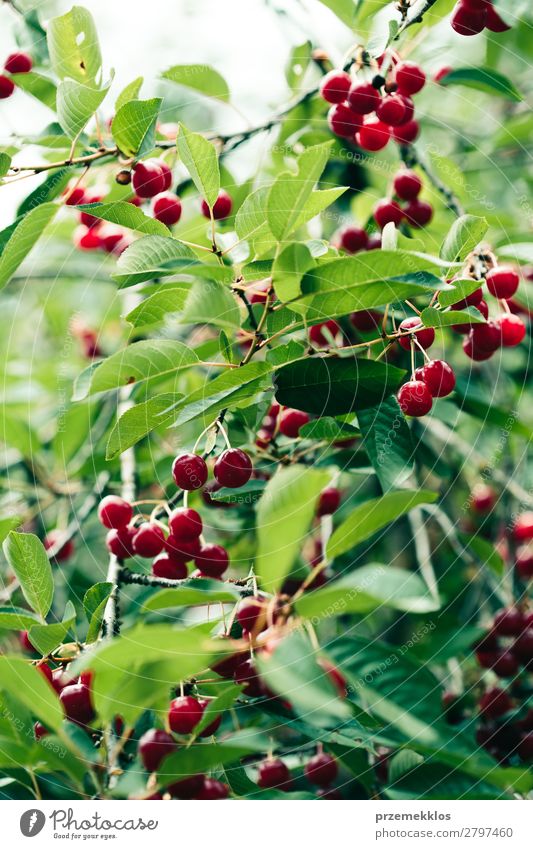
<point x="512" y="329"/>
<point x="321" y="769"/>
<point x="374" y="135"/>
<point x="439" y="75"/>
<point x="502" y="281"/>
<point x="155" y="745"/>
<point x="77" y="703"/>
<point x="119" y="541"/>
<point x="187" y="788"/>
<point x="7" y="87"/>
<point x="169" y="567"/>
<point x="353" y="239"/>
<point x="406" y="133"/>
<point x="233" y="468"/>
<point x="374" y="242"/>
<point x="335" y="86"/>
<point x="471" y="350"/>
<point x="487" y="337"/>
<point x="386" y="211"/>
<point x="149" y="178"/>
<point x="483" y="498"/>
<point x="363" y="98"/>
<point x="250" y="613"/>
<point x="184" y="714"/>
<point x="74" y="196"/>
<point x="167" y="208"/>
<point x="525" y="747"/>
<point x="524" y="562"/>
<point x="409" y="105"/>
<point x="418" y="213"/>
<point x="522" y="647"/>
<point x="391" y="110"/>
<point x="246" y="674"/>
<point x="407" y="185"/>
<point x="273" y="773"/>
<point x="329" y="501"/>
<point x="494" y="23"/>
<point x="221" y="209"/>
<point x="87" y="240"/>
<point x="366" y="319"/>
<point x="115" y="512"/>
<point x="167" y="174"/>
<point x="184" y="550"/>
<point x="318" y="337"/>
<point x="189" y="471"/>
<point x="425" y="336"/>
<point x="494" y="703"/>
<point x="213" y="789"/>
<point x="471" y="300"/>
<point x="40" y="730"/>
<point x="290" y="422"/>
<point x="212" y="560"/>
<point x="343" y="121"/>
<point x="18" y="63"/>
<point x="439" y="377"/>
<point x="523" y="527"/>
<point x="505" y="665"/>
<point x="185" y="524"/>
<point x="509" y="622"/>
<point x="86" y="218"/>
<point x="410" y="78"/>
<point x="52" y="538"/>
<point x="415" y="398"/>
<point x="467" y="20"/>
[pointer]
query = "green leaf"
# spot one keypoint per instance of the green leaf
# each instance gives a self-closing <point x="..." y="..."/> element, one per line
<point x="210" y="302"/>
<point x="333" y="386"/>
<point x="129" y="92"/>
<point x="484" y="551"/>
<point x="328" y="428"/>
<point x="149" y="257"/>
<point x="126" y="215"/>
<point x="7" y="525"/>
<point x="141" y="361"/>
<point x="458" y="290"/>
<point x="521" y="252"/>
<point x="5" y="164"/>
<point x="46" y="638"/>
<point x="284" y="515"/>
<point x="387" y="441"/>
<point x="73" y="46"/>
<point x="297" y="65"/>
<point x="288" y="269"/>
<point x="318" y="200"/>
<point x="251" y="215"/>
<point x="38" y="86"/>
<point x="206" y="756"/>
<point x="290" y="192"/>
<point x="200" y="159"/>
<point x="193" y="592"/>
<point x="16" y="618"/>
<point x="367" y="589"/>
<point x="23" y="238"/>
<point x="465" y="233"/>
<point x="21" y="679"/>
<point x="483" y="79"/>
<point x="371" y="516"/>
<point x="27" y="557"/>
<point x="201" y="78"/>
<point x="52" y="186"/>
<point x="217" y="706"/>
<point x="76" y="104"/>
<point x="94" y="603"/>
<point x="432" y="317"/>
<point x="133" y="126"/>
<point x="156" y="308"/>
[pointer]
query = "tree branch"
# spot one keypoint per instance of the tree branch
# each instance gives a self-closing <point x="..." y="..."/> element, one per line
<point x="416" y="17"/>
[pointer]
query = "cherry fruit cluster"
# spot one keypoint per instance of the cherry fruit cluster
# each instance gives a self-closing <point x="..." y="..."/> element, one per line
<point x="404" y="205"/>
<point x="471" y="17"/>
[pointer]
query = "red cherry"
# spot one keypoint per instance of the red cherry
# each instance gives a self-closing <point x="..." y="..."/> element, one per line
<point x="409" y="105"/>
<point x="522" y="647"/>
<point x="366" y="319"/>
<point x="60" y="679"/>
<point x="406" y="133"/>
<point x="189" y="471"/>
<point x="439" y="377"/>
<point x="77" y="703"/>
<point x="386" y="211"/>
<point x="407" y="185"/>
<point x="183" y="549"/>
<point x="168" y="567"/>
<point x="329" y="501"/>
<point x="317" y="336"/>
<point x="184" y="714"/>
<point x="227" y="667"/>
<point x="213" y="789"/>
<point x="167" y="208"/>
<point x="233" y="468"/>
<point x="472" y="351"/>
<point x="74" y="196"/>
<point x="512" y="329"/>
<point x="185" y="524"/>
<point x="213" y="726"/>
<point x="87" y="240"/>
<point x="45" y="670"/>
<point x="154" y="745"/>
<point x="523" y="527"/>
<point x="335" y="86"/>
<point x="410" y="78"/>
<point x="18" y="63"/>
<point x="483" y="498"/>
<point x="187" y="788"/>
<point x="415" y="398"/>
<point x="468" y="21"/>
<point x="7" y="87"/>
<point x="502" y="281"/>
<point x="167" y="174"/>
<point x="494" y="23"/>
<point x="273" y="773"/>
<point x="290" y="422"/>
<point x="221" y="208"/>
<point x="249" y="612"/>
<point x="509" y="622"/>
<point x="418" y="213"/>
<point x="25" y="643"/>
<point x="494" y="703"/>
<point x="471" y="300"/>
<point x="321" y="769"/>
<point x="363" y="98"/>
<point x="373" y="135"/>
<point x="343" y="121"/>
<point x="425" y="336"/>
<point x="113" y="241"/>
<point x="246" y="674"/>
<point x="439" y="75"/>
<point x="149" y="540"/>
<point x="86" y="218"/>
<point x="525" y="747"/>
<point x="353" y="239"/>
<point x="392" y="110"/>
<point x="52" y="538"/>
<point x="524" y="562"/>
<point x="149" y="178"/>
<point x="212" y="560"/>
<point x="505" y="665"/>
<point x="487" y="337"/>
<point x="115" y="512"/>
<point x="40" y="730"/>
<point x="374" y="242"/>
<point x="119" y="541"/>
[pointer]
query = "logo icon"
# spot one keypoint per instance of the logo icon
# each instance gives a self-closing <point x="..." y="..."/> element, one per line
<point x="32" y="822"/>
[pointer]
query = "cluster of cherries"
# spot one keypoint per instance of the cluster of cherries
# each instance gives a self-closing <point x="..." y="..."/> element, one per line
<point x="471" y="17"/>
<point x="371" y="113"/>
<point x="482" y="501"/>
<point x="405" y="205"/>
<point x="284" y="420"/>
<point x="16" y="63"/>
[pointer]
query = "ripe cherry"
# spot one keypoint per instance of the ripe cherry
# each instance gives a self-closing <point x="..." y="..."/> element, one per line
<point x="24" y="639"/>
<point x="212" y="560"/>
<point x="523" y="527"/>
<point x="509" y="622"/>
<point x="155" y="745"/>
<point x="471" y="300"/>
<point x="321" y="769"/>
<point x="467" y="20"/>
<point x="185" y="524"/>
<point x="7" y="87"/>
<point x="167" y="208"/>
<point x="425" y="336"/>
<point x="246" y="674"/>
<point x="439" y="377"/>
<point x="374" y="242"/>
<point x="439" y="75"/>
<point x="74" y="195"/>
<point x="335" y="86"/>
<point x="18" y="63"/>
<point x="512" y="329"/>
<point x="115" y="512"/>
<point x="77" y="703"/>
<point x="410" y="78"/>
<point x="418" y="213"/>
<point x="317" y="335"/>
<point x="494" y="703"/>
<point x="273" y="773"/>
<point x="213" y="789"/>
<point x="406" y="133"/>
<point x="40" y="730"/>
<point x="502" y="281"/>
<point x="366" y="319"/>
<point x="183" y="549"/>
<point x="169" y="567"/>
<point x="483" y="498"/>
<point x="343" y="121"/>
<point x="363" y="98"/>
<point x="335" y="676"/>
<point x="486" y="337"/>
<point x="392" y="110"/>
<point x="522" y="647"/>
<point x="494" y="23"/>
<point x="329" y="501"/>
<point x="386" y="211"/>
<point x="353" y="239"/>
<point x="472" y="351"/>
<point x="119" y="541"/>
<point x="374" y="135"/>
<point x="213" y="726"/>
<point x="233" y="468"/>
<point x="524" y="562"/>
<point x="184" y="714"/>
<point x="52" y="538"/>
<point x="407" y="185"/>
<point x="187" y="788"/>
<point x="149" y="178"/>
<point x="148" y="540"/>
<point x="87" y="239"/>
<point x="189" y="471"/>
<point x="415" y="398"/>
<point x="250" y="613"/>
<point x="221" y="209"/>
<point x="290" y="422"/>
<point x="505" y="665"/>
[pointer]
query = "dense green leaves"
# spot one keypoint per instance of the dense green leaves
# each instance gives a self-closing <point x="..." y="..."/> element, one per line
<point x="200" y="159"/>
<point x="46" y="638"/>
<point x="152" y="256"/>
<point x="387" y="441"/>
<point x="27" y="558"/>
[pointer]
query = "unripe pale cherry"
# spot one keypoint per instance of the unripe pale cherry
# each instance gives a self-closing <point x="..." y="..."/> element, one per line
<point x="273" y="773"/>
<point x="185" y="524"/>
<point x="363" y="98"/>
<point x="154" y="745"/>
<point x="114" y="512"/>
<point x="439" y="377"/>
<point x="407" y="185"/>
<point x="512" y="329"/>
<point x="374" y="135"/>
<point x="169" y="567"/>
<point x="189" y="471"/>
<point x="415" y="398"/>
<point x="18" y="63"/>
<point x="410" y="78"/>
<point x="425" y="336"/>
<point x="184" y="714"/>
<point x="343" y="121"/>
<point x="149" y="540"/>
<point x="335" y="86"/>
<point x="502" y="281"/>
<point x="233" y="468"/>
<point x="221" y="209"/>
<point x="7" y="87"/>
<point x="321" y="769"/>
<point x="149" y="179"/>
<point x="290" y="422"/>
<point x="392" y="110"/>
<point x="418" y="213"/>
<point x="406" y="133"/>
<point x="212" y="561"/>
<point x="167" y="208"/>
<point x="387" y="211"/>
<point x="353" y="239"/>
